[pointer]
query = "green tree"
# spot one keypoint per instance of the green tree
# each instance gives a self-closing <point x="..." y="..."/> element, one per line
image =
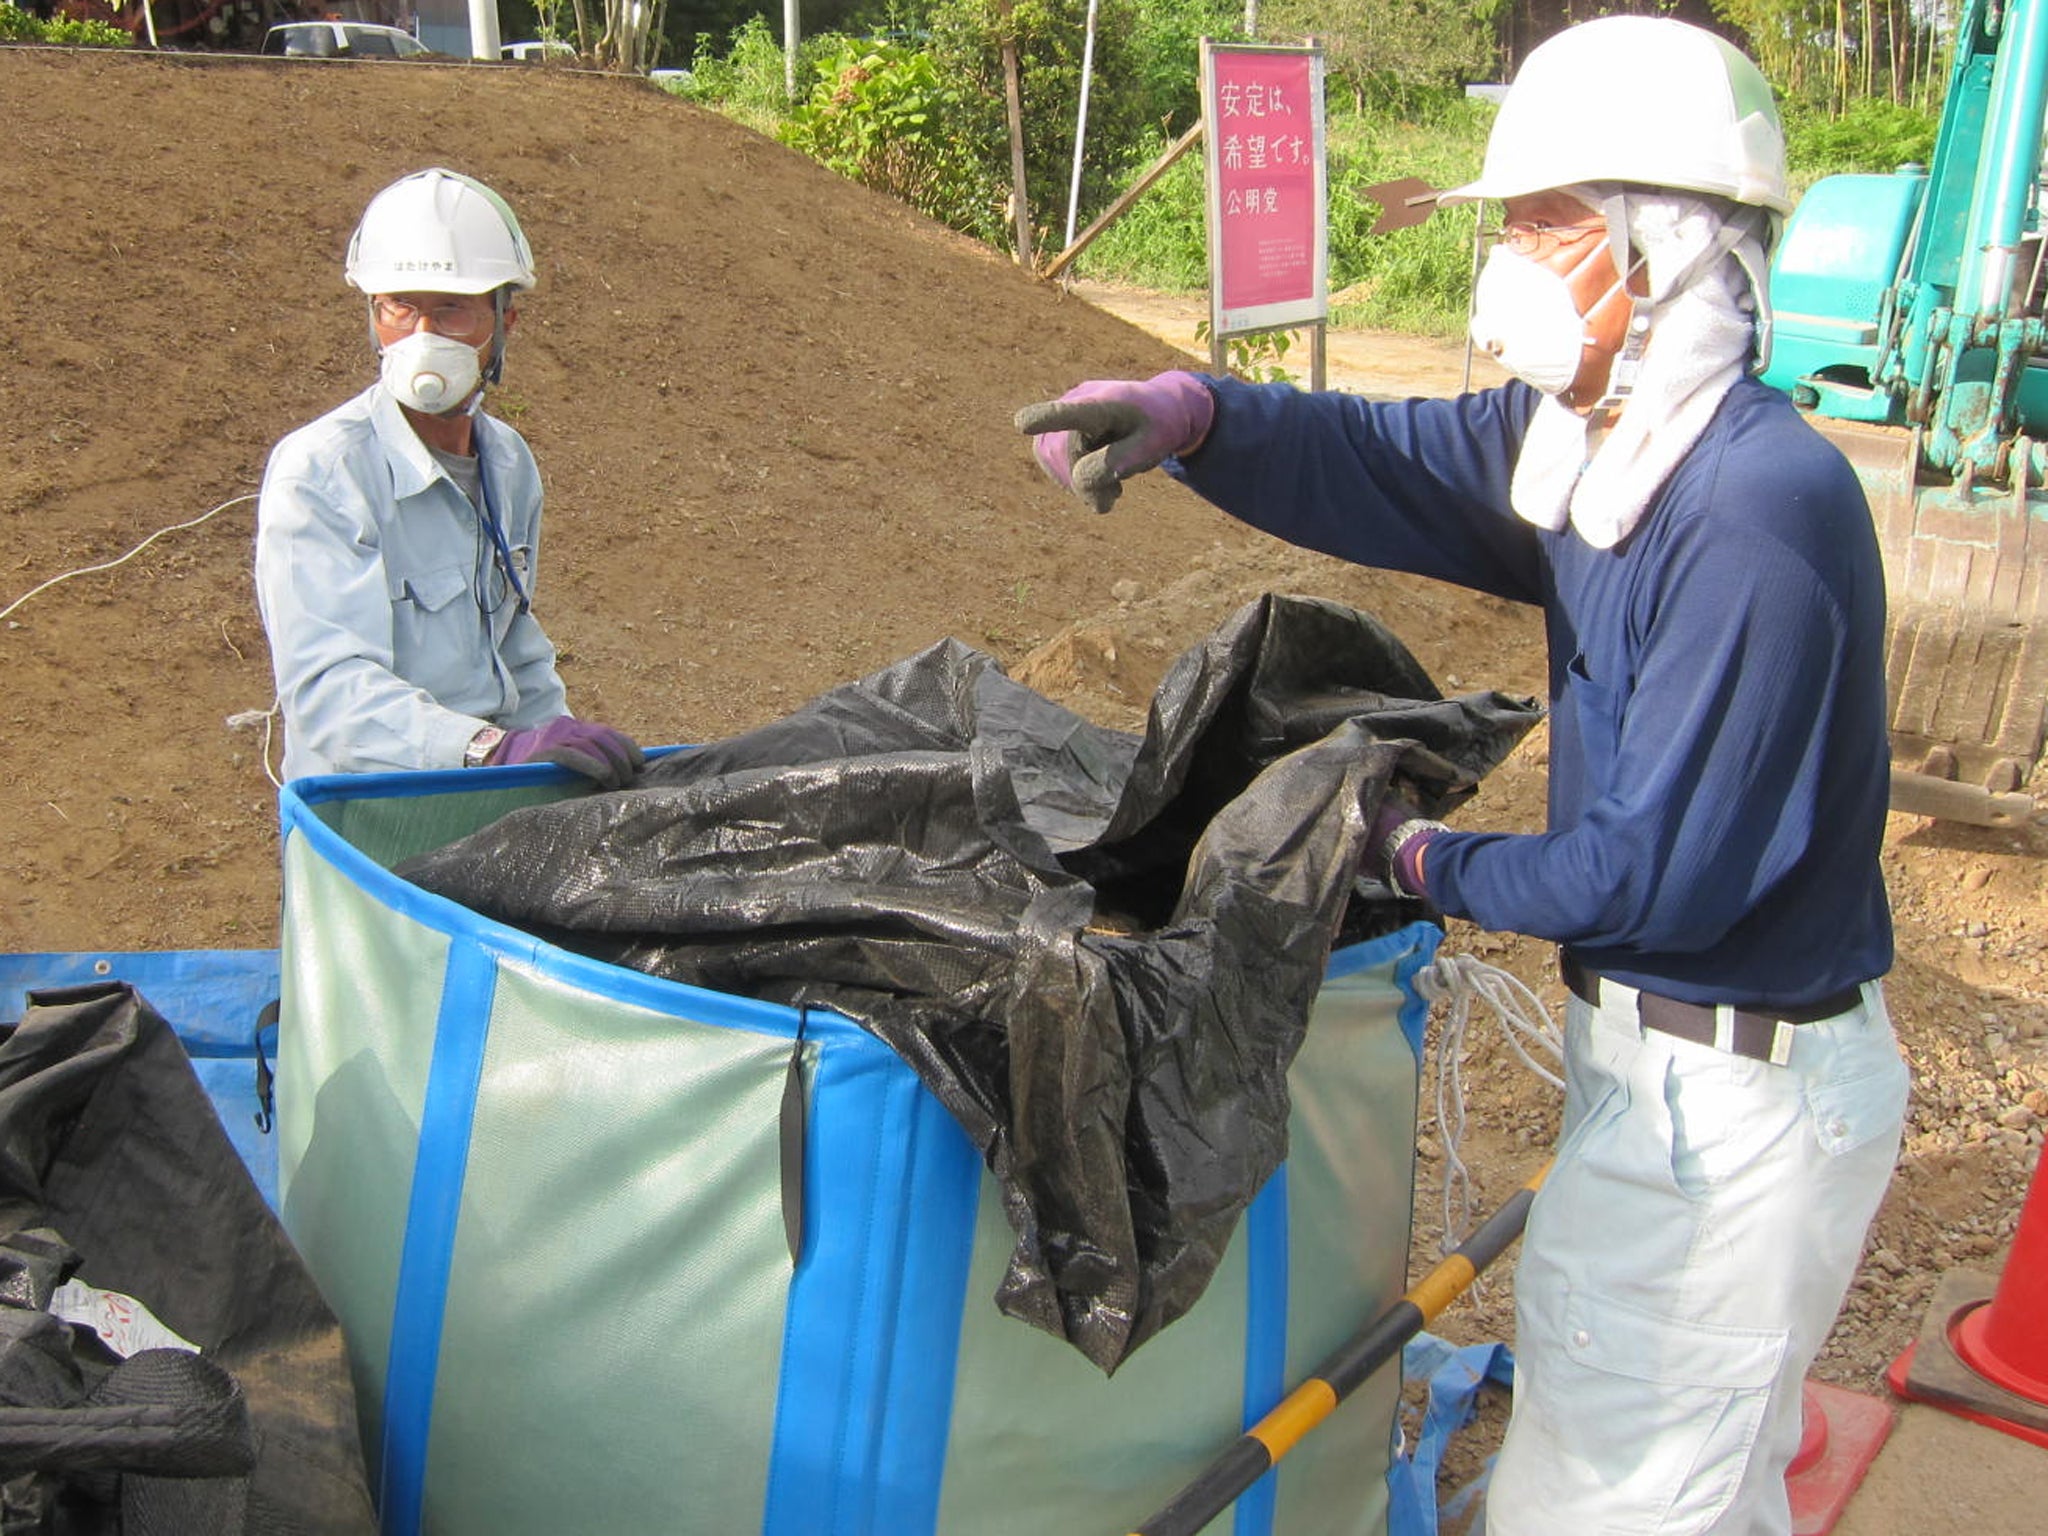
<point x="685" y="29"/>
<point x="1395" y="53"/>
<point x="1127" y="87"/>
<point x="632" y="35"/>
<point x="881" y="114"/>
<point x="1167" y="50"/>
<point x="1828" y="53"/>
<point x="19" y="26"/>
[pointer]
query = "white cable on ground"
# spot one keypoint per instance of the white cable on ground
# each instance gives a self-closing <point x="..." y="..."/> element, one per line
<point x="138" y="549"/>
<point x="236" y="722"/>
<point x="1458" y="981"/>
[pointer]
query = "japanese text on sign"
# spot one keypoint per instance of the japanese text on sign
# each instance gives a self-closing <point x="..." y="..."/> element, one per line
<point x="1267" y="242"/>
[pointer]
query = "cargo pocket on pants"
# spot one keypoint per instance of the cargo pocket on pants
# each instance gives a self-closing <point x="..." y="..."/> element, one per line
<point x="1659" y="1414"/>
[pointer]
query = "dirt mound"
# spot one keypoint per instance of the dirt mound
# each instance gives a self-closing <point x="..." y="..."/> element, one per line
<point x="773" y="412"/>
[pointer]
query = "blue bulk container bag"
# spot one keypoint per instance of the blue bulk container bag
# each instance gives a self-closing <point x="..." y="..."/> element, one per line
<point x="545" y="1196"/>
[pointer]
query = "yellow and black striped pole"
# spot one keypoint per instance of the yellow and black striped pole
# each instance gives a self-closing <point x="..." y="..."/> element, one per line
<point x="1343" y="1372"/>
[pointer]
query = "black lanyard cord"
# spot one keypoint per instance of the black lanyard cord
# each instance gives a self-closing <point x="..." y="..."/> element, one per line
<point x="491" y="527"/>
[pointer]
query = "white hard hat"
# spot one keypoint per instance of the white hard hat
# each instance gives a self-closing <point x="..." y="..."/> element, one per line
<point x="1641" y="99"/>
<point x="438" y="232"/>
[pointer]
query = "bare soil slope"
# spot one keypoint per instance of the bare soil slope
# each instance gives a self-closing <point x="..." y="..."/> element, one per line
<point x="773" y="415"/>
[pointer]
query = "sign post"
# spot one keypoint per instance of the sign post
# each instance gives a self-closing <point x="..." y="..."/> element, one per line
<point x="1268" y="195"/>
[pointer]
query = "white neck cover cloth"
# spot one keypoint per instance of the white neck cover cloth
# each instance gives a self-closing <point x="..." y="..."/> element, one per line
<point x="1701" y="337"/>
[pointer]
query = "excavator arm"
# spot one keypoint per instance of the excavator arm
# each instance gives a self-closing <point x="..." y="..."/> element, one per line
<point x="1909" y="325"/>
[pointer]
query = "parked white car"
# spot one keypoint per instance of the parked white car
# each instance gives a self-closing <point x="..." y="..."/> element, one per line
<point x="341" y="40"/>
<point x="533" y="50"/>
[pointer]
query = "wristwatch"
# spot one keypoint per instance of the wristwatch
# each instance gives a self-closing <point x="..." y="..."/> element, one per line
<point x="1407" y="832"/>
<point x="481" y="746"/>
<point x="1401" y="837"/>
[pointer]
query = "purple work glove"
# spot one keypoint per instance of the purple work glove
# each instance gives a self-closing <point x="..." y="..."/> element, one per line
<point x="599" y="752"/>
<point x="1096" y="436"/>
<point x="1395" y="844"/>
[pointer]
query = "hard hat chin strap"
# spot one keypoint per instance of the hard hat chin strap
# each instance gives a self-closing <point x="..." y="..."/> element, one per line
<point x="494" y="369"/>
<point x="1627" y="365"/>
<point x="1737" y="235"/>
<point x="1626" y="368"/>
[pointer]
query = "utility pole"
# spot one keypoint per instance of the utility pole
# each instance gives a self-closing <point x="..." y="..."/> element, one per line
<point x="790" y="32"/>
<point x="1081" y="121"/>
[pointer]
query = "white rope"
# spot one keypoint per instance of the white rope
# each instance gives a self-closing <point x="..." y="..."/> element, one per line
<point x="1457" y="981"/>
<point x="138" y="549"/>
<point x="249" y="719"/>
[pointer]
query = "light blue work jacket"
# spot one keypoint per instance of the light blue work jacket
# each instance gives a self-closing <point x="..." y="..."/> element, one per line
<point x="395" y="634"/>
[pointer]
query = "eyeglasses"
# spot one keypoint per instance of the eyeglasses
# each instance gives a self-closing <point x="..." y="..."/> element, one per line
<point x="457" y="319"/>
<point x="1535" y="239"/>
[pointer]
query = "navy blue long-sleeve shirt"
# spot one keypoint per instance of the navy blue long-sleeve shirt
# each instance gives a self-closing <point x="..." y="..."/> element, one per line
<point x="1719" y="768"/>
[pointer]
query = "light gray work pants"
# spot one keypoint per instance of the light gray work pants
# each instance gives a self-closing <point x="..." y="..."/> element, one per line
<point x="1683" y="1263"/>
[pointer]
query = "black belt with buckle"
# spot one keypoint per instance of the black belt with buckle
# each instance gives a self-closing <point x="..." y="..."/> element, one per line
<point x="1759" y="1031"/>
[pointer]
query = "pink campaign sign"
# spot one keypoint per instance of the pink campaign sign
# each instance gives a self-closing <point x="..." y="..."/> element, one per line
<point x="1264" y="158"/>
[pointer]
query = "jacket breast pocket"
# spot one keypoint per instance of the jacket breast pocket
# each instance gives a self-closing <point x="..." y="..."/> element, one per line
<point x="1596" y="713"/>
<point x="437" y="641"/>
<point x="431" y="591"/>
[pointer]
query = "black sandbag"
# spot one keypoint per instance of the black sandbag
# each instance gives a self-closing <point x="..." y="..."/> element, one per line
<point x="1099" y="950"/>
<point x="115" y="1171"/>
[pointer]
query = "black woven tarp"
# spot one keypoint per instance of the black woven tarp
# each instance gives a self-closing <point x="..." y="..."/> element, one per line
<point x="1098" y="949"/>
<point x="115" y="1173"/>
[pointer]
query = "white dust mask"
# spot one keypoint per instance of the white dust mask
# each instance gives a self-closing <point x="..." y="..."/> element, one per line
<point x="1523" y="314"/>
<point x="431" y="373"/>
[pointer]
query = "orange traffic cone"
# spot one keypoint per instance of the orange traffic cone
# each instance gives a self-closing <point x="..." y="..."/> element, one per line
<point x="1840" y="1437"/>
<point x="1983" y="1347"/>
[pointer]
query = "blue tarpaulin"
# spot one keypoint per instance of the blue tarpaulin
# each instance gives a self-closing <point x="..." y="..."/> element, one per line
<point x="1455" y="1376"/>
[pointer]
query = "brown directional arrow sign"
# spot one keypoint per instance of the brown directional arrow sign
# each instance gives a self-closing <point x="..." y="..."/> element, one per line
<point x="1402" y="203"/>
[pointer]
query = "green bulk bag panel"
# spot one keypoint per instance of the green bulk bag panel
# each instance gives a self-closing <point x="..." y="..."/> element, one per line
<point x="545" y="1194"/>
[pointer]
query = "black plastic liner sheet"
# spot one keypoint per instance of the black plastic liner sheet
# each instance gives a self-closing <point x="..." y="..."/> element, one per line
<point x="115" y="1172"/>
<point x="1099" y="950"/>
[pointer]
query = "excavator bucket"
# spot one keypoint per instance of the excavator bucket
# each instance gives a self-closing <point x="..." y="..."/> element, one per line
<point x="1966" y="575"/>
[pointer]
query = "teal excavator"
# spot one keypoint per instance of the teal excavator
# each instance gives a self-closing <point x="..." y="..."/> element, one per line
<point x="1909" y="326"/>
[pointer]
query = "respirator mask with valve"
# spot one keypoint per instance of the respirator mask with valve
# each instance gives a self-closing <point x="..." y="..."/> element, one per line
<point x="431" y="373"/>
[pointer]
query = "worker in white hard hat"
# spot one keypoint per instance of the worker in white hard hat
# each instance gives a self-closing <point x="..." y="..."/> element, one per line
<point x="396" y="536"/>
<point x="1718" y="763"/>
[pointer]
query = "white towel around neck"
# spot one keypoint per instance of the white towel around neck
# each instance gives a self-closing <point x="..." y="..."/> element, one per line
<point x="1700" y="343"/>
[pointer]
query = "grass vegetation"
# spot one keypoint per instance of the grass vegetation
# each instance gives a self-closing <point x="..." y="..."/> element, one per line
<point x="897" y="116"/>
<point x="18" y="26"/>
